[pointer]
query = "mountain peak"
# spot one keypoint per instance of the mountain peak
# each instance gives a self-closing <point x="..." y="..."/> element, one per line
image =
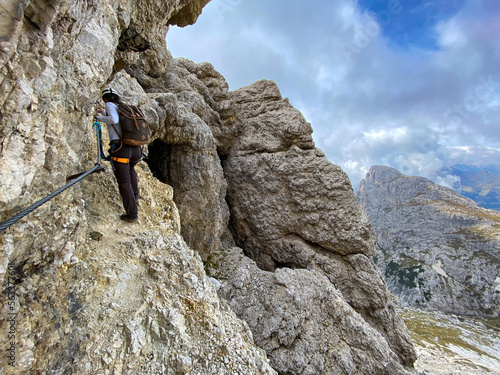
<point x="437" y="249"/>
<point x="382" y="173"/>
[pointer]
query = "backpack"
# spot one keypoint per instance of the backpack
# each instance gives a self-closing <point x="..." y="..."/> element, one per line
<point x="135" y="129"/>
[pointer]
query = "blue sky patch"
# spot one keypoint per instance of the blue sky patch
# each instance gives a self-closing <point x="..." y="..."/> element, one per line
<point x="411" y="23"/>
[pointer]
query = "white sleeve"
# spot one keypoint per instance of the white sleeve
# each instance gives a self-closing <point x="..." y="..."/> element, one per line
<point x="111" y="114"/>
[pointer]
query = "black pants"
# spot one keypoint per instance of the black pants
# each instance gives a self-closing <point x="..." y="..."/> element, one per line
<point x="126" y="176"/>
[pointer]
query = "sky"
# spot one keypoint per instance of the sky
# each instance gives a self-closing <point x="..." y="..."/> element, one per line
<point x="409" y="84"/>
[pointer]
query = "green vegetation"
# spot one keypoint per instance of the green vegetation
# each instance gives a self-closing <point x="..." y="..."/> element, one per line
<point x="212" y="263"/>
<point x="406" y="276"/>
<point x="445" y="333"/>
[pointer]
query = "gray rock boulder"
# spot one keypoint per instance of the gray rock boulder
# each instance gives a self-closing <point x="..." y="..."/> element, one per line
<point x="290" y="207"/>
<point x="281" y="187"/>
<point x="185" y="153"/>
<point x="301" y="320"/>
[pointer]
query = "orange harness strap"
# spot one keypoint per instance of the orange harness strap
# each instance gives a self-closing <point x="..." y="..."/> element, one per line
<point x="120" y="160"/>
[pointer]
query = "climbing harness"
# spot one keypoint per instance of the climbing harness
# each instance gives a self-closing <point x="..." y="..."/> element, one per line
<point x="120" y="160"/>
<point x="98" y="167"/>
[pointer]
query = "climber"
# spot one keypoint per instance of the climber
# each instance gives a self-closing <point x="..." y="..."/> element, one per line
<point x="124" y="157"/>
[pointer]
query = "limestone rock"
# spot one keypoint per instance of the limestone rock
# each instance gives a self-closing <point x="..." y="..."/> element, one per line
<point x="267" y="122"/>
<point x="275" y="197"/>
<point x="136" y="301"/>
<point x="188" y="14"/>
<point x="290" y="207"/>
<point x="280" y="186"/>
<point x="437" y="249"/>
<point x="302" y="320"/>
<point x="189" y="144"/>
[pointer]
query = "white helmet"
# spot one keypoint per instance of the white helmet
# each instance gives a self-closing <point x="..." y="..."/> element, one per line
<point x="109" y="91"/>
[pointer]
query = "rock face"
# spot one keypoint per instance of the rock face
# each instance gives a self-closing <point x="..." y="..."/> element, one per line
<point x="188" y="148"/>
<point x="302" y="320"/>
<point x="91" y="295"/>
<point x="436" y="248"/>
<point x="282" y="190"/>
<point x="292" y="208"/>
<point x="288" y="206"/>
<point x="118" y="299"/>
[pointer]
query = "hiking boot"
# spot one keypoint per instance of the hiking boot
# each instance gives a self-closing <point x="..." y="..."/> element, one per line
<point x="129" y="218"/>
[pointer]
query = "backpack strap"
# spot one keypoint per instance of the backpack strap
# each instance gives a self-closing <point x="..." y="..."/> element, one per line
<point x="119" y="136"/>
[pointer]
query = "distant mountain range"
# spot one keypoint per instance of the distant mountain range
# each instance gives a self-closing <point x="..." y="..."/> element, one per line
<point x="437" y="249"/>
<point x="481" y="184"/>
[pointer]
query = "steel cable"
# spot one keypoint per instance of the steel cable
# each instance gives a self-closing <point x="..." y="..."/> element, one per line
<point x="97" y="168"/>
<point x="26" y="211"/>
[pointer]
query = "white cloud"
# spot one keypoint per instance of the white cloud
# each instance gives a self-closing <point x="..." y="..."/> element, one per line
<point x="474" y="155"/>
<point x="274" y="45"/>
<point x="452" y="34"/>
<point x="385" y="136"/>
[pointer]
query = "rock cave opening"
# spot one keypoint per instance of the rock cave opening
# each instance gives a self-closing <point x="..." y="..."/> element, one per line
<point x="158" y="159"/>
<point x="131" y="39"/>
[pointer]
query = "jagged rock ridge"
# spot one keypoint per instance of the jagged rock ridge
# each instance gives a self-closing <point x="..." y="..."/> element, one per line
<point x="100" y="297"/>
<point x="436" y="248"/>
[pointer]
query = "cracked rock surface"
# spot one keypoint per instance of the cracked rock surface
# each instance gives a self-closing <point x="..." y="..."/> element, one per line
<point x="302" y="320"/>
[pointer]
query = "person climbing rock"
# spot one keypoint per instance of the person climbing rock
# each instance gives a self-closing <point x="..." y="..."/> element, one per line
<point x="124" y="157"/>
